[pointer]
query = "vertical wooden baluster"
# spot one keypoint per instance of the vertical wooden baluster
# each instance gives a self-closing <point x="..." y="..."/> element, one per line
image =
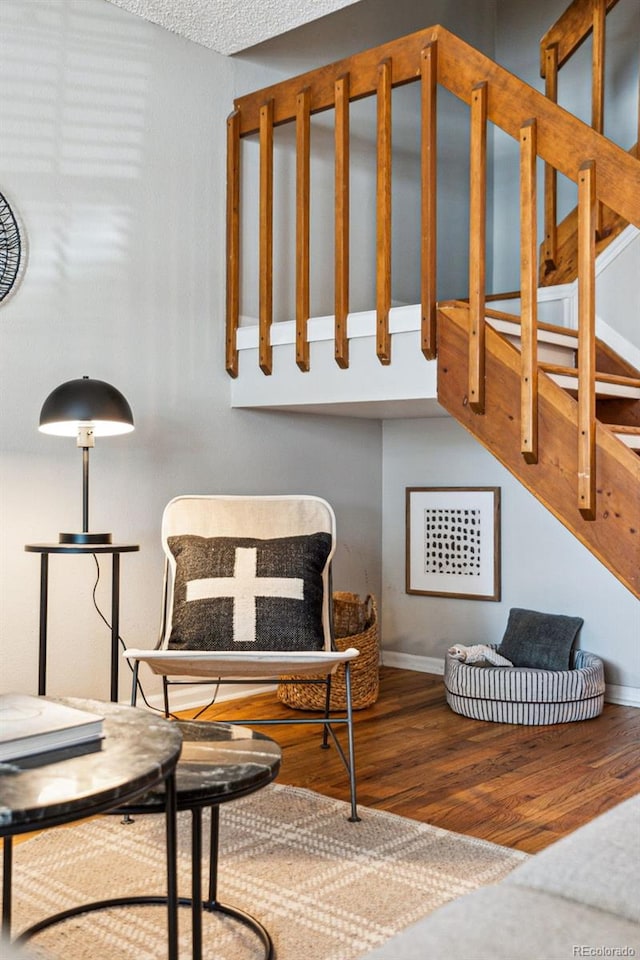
<point x="586" y="339"/>
<point x="233" y="241"/>
<point x="597" y="65"/>
<point x="597" y="83"/>
<point x="477" y="245"/>
<point x="303" y="139"/>
<point x="528" y="293"/>
<point x="266" y="236"/>
<point x="383" y="215"/>
<point x="550" y="246"/>
<point x="429" y="225"/>
<point x="342" y="220"/>
<point x="638" y="135"/>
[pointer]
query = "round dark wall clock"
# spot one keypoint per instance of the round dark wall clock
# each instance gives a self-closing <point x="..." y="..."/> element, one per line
<point x="11" y="250"/>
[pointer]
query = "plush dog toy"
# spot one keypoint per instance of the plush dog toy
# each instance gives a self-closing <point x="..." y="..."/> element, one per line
<point x="478" y="653"/>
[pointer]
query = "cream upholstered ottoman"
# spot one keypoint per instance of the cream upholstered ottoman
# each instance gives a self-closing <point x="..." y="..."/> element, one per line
<point x="525" y="694"/>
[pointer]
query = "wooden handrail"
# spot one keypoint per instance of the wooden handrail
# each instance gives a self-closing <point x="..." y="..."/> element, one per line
<point x="570" y="31"/>
<point x="581" y="19"/>
<point x="563" y="140"/>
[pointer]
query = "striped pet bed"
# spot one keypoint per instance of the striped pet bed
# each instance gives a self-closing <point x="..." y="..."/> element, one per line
<point x="526" y="695"/>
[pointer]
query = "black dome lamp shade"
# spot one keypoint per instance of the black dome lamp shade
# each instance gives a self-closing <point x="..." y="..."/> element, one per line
<point x="85" y="409"/>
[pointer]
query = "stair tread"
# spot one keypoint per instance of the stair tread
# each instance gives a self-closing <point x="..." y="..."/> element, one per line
<point x="625" y="433"/>
<point x="602" y="377"/>
<point x="549" y="327"/>
<point x="623" y="428"/>
<point x="515" y="318"/>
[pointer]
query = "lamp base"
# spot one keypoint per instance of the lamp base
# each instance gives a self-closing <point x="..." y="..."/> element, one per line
<point x="85" y="538"/>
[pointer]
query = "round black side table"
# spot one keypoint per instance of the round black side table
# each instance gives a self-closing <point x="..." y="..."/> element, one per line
<point x="139" y="752"/>
<point x="219" y="762"/>
<point x="65" y="549"/>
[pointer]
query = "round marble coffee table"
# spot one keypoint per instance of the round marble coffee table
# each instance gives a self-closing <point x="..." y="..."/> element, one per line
<point x="139" y="752"/>
<point x="219" y="762"/>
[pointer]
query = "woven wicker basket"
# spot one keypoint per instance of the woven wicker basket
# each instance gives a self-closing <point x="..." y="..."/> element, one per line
<point x="355" y="624"/>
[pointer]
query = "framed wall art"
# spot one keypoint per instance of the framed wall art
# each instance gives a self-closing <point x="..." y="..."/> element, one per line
<point x="453" y="542"/>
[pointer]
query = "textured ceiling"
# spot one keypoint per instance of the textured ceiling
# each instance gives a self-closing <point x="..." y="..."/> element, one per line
<point x="229" y="26"/>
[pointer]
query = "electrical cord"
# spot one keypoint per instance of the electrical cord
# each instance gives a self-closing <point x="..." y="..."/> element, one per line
<point x="124" y="647"/>
<point x="120" y="639"/>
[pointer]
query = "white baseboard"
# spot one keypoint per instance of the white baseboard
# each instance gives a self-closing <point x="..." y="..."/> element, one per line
<point x="614" y="693"/>
<point x="624" y="696"/>
<point x="412" y="661"/>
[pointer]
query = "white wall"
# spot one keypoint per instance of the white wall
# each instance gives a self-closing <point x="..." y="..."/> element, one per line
<point x="543" y="566"/>
<point x="113" y="153"/>
<point x="618" y="294"/>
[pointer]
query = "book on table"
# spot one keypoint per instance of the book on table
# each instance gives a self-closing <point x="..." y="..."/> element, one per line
<point x="32" y="725"/>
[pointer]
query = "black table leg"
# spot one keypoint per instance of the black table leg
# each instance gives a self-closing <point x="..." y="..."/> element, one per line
<point x="171" y="811"/>
<point x="196" y="883"/>
<point x="7" y="862"/>
<point x="213" y="855"/>
<point x="213" y="905"/>
<point x="44" y="599"/>
<point x="171" y="901"/>
<point x="115" y="624"/>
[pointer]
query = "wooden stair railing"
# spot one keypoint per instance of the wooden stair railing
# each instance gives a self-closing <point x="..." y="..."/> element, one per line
<point x="581" y="19"/>
<point x="605" y="174"/>
<point x="427" y="56"/>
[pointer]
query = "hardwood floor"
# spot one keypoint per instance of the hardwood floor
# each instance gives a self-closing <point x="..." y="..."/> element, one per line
<point x="515" y="785"/>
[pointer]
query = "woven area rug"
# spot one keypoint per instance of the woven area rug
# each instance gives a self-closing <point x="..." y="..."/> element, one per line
<point x="326" y="889"/>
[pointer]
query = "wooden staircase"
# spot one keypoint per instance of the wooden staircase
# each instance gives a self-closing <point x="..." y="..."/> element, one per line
<point x="558" y="408"/>
<point x="613" y="535"/>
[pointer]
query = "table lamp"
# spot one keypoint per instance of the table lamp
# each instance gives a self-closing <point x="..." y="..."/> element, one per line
<point x="85" y="409"/>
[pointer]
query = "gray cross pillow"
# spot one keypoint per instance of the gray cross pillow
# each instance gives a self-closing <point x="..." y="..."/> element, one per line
<point x="542" y="640"/>
<point x="247" y="594"/>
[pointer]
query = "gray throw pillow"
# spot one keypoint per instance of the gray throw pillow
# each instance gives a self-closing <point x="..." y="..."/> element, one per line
<point x="247" y="594"/>
<point x="542" y="640"/>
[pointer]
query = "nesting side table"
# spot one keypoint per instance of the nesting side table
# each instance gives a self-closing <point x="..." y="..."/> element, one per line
<point x="219" y="762"/>
<point x="65" y="549"/>
<point x="139" y="752"/>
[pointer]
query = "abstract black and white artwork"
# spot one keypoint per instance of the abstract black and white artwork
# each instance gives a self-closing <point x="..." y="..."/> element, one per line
<point x="453" y="541"/>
